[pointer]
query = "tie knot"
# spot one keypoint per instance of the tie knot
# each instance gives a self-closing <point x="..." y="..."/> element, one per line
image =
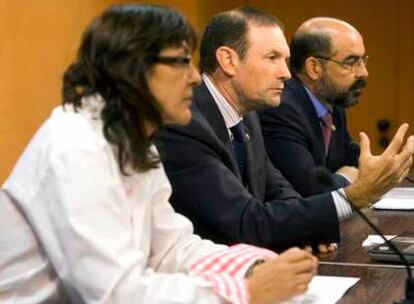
<point x="239" y="132"/>
<point x="327" y="119"/>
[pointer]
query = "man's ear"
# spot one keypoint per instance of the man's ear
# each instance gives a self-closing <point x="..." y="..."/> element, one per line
<point x="227" y="60"/>
<point x="313" y="68"/>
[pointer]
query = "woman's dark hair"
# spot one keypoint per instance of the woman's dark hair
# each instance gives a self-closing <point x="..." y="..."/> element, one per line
<point x="115" y="55"/>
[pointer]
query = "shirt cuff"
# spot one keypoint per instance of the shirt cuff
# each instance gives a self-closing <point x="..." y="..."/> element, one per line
<point x="343" y="208"/>
<point x="226" y="269"/>
<point x="346" y="177"/>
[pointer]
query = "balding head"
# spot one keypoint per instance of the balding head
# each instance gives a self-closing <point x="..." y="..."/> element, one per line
<point x="328" y="26"/>
<point x="321" y="36"/>
<point x="328" y="56"/>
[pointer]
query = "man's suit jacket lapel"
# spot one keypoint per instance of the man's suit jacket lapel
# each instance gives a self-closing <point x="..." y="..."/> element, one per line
<point x="211" y="112"/>
<point x="304" y="101"/>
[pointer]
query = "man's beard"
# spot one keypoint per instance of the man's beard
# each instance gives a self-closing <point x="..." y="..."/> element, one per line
<point x="343" y="99"/>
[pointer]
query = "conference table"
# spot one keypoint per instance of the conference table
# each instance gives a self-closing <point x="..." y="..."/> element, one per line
<point x="380" y="282"/>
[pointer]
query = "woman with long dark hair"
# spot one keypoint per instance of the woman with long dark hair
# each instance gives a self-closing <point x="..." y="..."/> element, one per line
<point x="84" y="216"/>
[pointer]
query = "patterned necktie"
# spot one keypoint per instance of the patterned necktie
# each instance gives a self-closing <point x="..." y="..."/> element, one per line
<point x="327" y="130"/>
<point x="239" y="145"/>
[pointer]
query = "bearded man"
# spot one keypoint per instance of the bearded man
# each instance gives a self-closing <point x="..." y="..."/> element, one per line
<point x="308" y="130"/>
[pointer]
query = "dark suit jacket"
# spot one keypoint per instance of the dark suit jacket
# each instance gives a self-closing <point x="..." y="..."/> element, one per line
<point x="207" y="186"/>
<point x="294" y="141"/>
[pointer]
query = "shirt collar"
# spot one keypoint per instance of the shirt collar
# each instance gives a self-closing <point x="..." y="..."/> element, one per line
<point x="320" y="108"/>
<point x="230" y="115"/>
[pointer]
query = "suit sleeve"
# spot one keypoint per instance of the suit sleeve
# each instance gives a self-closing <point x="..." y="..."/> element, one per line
<point x="289" y="149"/>
<point x="207" y="192"/>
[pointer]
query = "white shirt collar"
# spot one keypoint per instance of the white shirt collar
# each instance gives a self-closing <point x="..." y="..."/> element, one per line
<point x="230" y="115"/>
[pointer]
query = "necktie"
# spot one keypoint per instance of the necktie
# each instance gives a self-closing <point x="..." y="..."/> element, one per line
<point x="239" y="146"/>
<point x="327" y="130"/>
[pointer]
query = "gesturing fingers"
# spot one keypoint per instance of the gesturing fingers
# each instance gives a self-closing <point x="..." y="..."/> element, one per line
<point x="404" y="158"/>
<point x="397" y="141"/>
<point x="404" y="174"/>
<point x="364" y="145"/>
<point x="405" y="166"/>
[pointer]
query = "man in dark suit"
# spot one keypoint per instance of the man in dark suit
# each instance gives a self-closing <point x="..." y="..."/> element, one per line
<point x="308" y="129"/>
<point x="221" y="176"/>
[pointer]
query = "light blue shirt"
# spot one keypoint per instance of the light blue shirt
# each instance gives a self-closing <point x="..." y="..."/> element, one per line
<point x="321" y="109"/>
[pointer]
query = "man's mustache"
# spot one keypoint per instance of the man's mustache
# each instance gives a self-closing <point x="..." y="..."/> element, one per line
<point x="359" y="84"/>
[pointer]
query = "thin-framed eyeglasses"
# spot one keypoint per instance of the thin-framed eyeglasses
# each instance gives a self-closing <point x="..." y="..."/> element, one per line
<point x="179" y="61"/>
<point x="351" y="64"/>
